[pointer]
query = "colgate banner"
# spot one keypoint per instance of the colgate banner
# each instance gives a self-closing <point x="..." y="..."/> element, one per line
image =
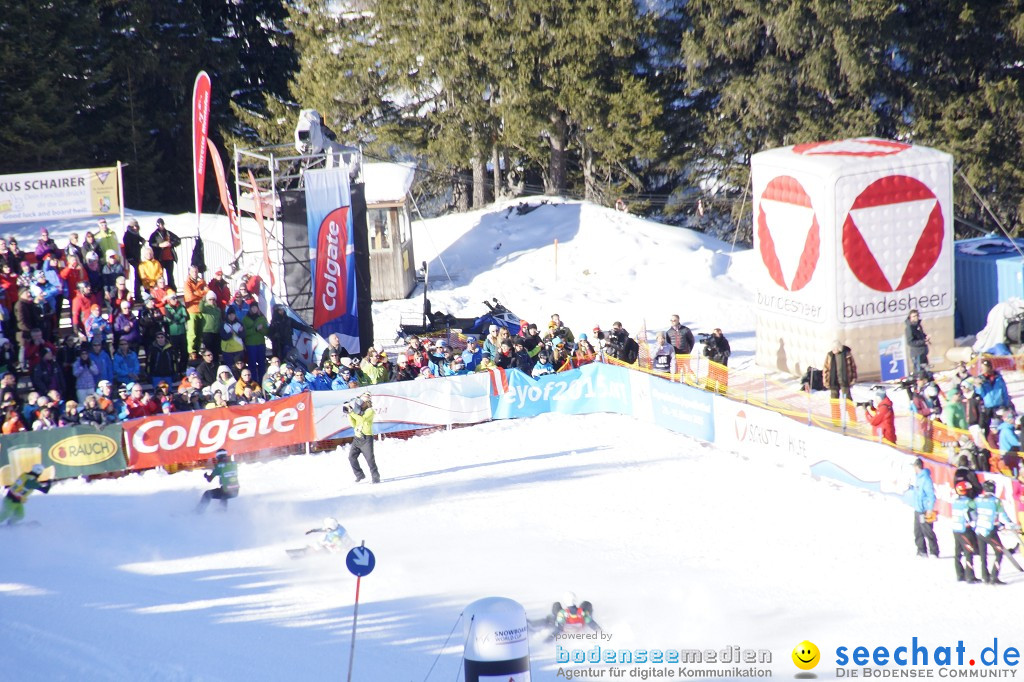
<point x="329" y="220"/>
<point x="225" y="199"/>
<point x="191" y="436"/>
<point x="200" y="128"/>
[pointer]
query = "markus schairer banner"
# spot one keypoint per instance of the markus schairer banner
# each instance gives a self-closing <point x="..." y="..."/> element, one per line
<point x="332" y="255"/>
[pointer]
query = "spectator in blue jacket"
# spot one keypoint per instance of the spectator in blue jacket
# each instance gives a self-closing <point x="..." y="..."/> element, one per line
<point x="473" y="354"/>
<point x="924" y="511"/>
<point x="319" y="381"/>
<point x="126" y="363"/>
<point x="298" y="384"/>
<point x="345" y="379"/>
<point x="102" y="359"/>
<point x="992" y="389"/>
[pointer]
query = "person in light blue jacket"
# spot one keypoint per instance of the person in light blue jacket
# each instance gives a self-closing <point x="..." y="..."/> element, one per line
<point x="924" y="511"/>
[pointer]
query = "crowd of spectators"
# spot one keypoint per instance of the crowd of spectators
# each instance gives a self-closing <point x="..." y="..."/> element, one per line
<point x="95" y="332"/>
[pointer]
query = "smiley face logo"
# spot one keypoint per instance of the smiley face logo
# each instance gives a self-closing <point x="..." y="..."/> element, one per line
<point x="806" y="655"/>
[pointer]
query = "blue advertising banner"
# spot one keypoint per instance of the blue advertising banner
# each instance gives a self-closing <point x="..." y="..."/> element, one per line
<point x="680" y="408"/>
<point x="592" y="388"/>
<point x="332" y="255"/>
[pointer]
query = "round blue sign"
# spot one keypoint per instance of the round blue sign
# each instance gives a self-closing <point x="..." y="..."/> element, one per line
<point x="360" y="561"/>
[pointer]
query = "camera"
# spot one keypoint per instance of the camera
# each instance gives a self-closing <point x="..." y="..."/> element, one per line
<point x="866" y="404"/>
<point x="703" y="337"/>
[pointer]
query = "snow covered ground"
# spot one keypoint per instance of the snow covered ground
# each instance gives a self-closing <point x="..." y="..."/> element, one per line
<point x="678" y="544"/>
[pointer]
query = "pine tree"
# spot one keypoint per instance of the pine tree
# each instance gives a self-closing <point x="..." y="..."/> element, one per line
<point x="968" y="98"/>
<point x="574" y="84"/>
<point x="769" y="74"/>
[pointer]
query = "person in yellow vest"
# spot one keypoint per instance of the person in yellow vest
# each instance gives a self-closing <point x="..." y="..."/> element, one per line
<point x="360" y="416"/>
<point x="13" y="509"/>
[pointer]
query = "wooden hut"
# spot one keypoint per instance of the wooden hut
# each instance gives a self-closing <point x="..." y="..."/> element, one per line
<point x="389" y="221"/>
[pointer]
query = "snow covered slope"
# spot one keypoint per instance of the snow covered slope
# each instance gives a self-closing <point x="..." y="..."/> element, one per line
<point x="679" y="545"/>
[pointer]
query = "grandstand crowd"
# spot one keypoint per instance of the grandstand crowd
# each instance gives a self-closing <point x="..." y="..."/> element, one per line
<point x="96" y="331"/>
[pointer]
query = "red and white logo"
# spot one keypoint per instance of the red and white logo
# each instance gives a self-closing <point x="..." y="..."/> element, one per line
<point x="864" y="146"/>
<point x="191" y="436"/>
<point x="741" y="425"/>
<point x="331" y="268"/>
<point x="893" y="234"/>
<point x="788" y="233"/>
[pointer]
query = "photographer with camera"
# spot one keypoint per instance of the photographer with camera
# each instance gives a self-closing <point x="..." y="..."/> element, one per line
<point x="882" y="418"/>
<point x="360" y="416"/>
<point x="717" y="350"/>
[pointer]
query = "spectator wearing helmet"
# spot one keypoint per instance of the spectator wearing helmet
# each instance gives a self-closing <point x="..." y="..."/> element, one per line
<point x="227" y="471"/>
<point x="924" y="511"/>
<point x="882" y="417"/>
<point x="13" y="509"/>
<point x="991" y="515"/>
<point x="964" y="518"/>
<point x="360" y="416"/>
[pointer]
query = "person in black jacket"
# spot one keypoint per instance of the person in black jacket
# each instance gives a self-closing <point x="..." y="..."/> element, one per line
<point x="161" y="360"/>
<point x="133" y="243"/>
<point x="917" y="341"/>
<point x="680" y="336"/>
<point x="965" y="472"/>
<point x="164" y="243"/>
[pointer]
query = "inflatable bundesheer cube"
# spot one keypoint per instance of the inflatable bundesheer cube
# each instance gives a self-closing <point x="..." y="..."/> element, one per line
<point x="852" y="234"/>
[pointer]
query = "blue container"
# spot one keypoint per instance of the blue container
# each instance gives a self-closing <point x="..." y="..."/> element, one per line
<point x="988" y="270"/>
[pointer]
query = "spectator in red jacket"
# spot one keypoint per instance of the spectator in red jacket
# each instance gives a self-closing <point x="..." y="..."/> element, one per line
<point x="82" y="303"/>
<point x="882" y="417"/>
<point x="139" y="403"/>
<point x="220" y="288"/>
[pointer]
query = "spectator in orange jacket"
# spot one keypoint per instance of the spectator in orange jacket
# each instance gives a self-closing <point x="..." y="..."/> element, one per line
<point x="195" y="290"/>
